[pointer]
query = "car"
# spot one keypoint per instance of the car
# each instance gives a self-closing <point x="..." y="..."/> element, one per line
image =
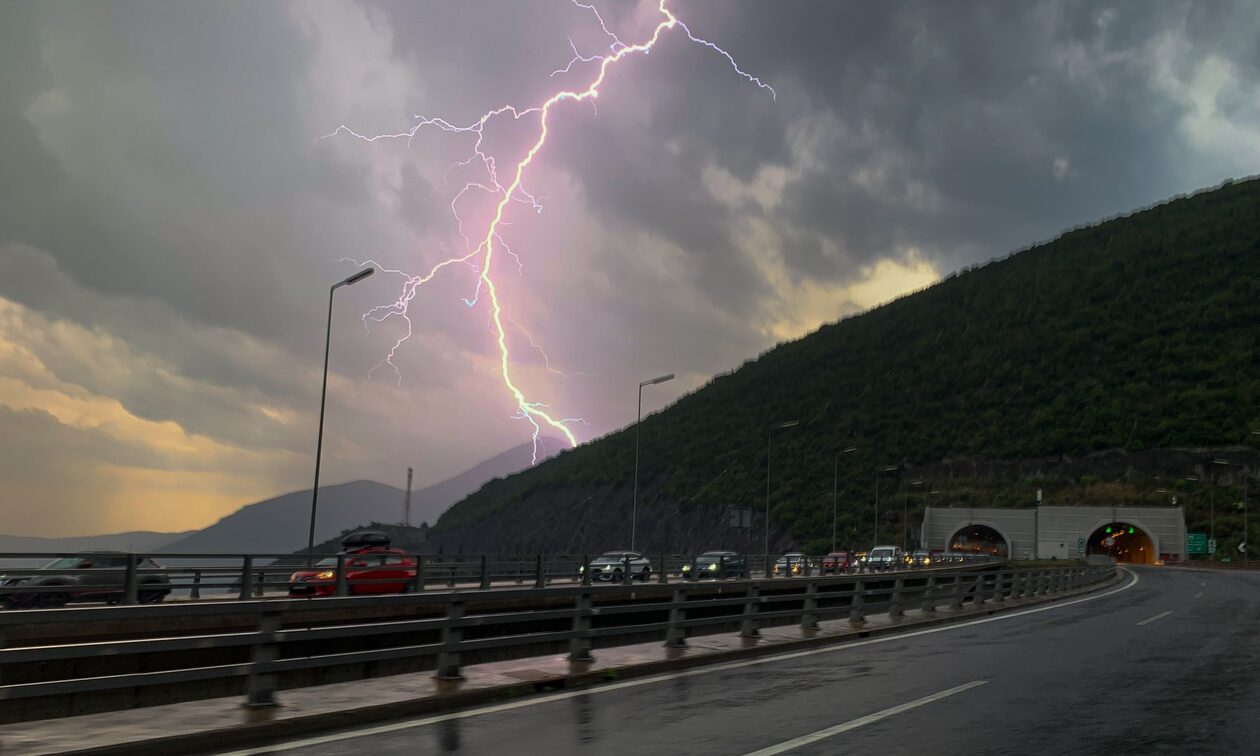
<point x="716" y="564"/>
<point x="919" y="558"/>
<point x="837" y="563"/>
<point x="792" y="564"/>
<point x="883" y="558"/>
<point x="610" y="566"/>
<point x="91" y="576"/>
<point x="370" y="564"/>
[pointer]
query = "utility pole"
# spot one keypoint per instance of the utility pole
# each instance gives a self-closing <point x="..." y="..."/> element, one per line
<point x="407" y="501"/>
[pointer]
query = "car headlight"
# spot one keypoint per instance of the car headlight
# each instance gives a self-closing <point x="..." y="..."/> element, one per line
<point x="686" y="568"/>
<point x="581" y="568"/>
<point x="325" y="575"/>
<point x="711" y="567"/>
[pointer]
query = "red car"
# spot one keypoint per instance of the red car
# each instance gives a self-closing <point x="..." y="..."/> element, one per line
<point x="838" y="563"/>
<point x="371" y="567"/>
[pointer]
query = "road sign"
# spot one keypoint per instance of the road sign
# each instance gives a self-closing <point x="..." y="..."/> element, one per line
<point x="741" y="518"/>
<point x="1212" y="546"/>
<point x="1196" y="543"/>
<point x="1080" y="547"/>
<point x="1242" y="548"/>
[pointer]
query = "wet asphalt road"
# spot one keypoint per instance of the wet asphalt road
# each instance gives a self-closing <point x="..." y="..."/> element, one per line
<point x="1168" y="665"/>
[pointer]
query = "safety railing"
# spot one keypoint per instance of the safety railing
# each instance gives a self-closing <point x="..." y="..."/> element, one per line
<point x="51" y="580"/>
<point x="286" y="637"/>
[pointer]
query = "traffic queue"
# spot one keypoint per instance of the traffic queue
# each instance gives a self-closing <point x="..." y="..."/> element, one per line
<point x="368" y="564"/>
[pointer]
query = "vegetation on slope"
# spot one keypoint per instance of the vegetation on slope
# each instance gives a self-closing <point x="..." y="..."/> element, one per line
<point x="1136" y="333"/>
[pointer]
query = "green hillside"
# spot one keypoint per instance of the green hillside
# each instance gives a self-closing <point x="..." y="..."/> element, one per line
<point x="1137" y="333"/>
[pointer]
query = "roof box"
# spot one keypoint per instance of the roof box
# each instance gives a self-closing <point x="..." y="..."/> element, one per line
<point x="360" y="539"/>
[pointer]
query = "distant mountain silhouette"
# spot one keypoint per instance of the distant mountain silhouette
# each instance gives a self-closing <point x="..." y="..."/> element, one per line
<point x="141" y="540"/>
<point x="279" y="525"/>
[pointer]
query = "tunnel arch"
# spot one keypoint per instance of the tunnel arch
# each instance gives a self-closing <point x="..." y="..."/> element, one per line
<point x="980" y="538"/>
<point x="1126" y="541"/>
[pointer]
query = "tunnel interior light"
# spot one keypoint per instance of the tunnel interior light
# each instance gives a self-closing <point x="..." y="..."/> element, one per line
<point x="1108" y="528"/>
<point x="1130" y="531"/>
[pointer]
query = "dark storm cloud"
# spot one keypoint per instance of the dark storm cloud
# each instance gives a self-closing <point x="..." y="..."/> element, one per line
<point x="960" y="110"/>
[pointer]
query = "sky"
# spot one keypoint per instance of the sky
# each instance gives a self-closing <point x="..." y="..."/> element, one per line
<point x="179" y="193"/>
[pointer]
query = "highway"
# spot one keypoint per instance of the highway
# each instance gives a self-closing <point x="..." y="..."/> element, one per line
<point x="1166" y="662"/>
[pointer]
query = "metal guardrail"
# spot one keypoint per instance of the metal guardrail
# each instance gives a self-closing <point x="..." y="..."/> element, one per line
<point x="138" y="579"/>
<point x="286" y="639"/>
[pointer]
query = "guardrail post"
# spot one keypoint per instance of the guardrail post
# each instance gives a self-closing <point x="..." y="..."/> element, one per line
<point x="856" y="601"/>
<point x="929" y="595"/>
<point x="586" y="570"/>
<point x="452" y="634"/>
<point x="664" y="571"/>
<point x="748" y="627"/>
<point x="675" y="634"/>
<point x="260" y="583"/>
<point x="769" y="571"/>
<point x="417" y="582"/>
<point x="247" y="575"/>
<point x="626" y="577"/>
<point x="721" y="566"/>
<point x="695" y="568"/>
<point x="894" y="604"/>
<point x="999" y="587"/>
<point x="809" y="620"/>
<point x="540" y="573"/>
<point x="261" y="686"/>
<point x="195" y="593"/>
<point x="956" y="597"/>
<point x="485" y="571"/>
<point x="131" y="591"/>
<point x="341" y="587"/>
<point x="982" y="578"/>
<point x="580" y="643"/>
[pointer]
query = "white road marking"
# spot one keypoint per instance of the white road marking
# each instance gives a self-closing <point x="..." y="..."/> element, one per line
<point x="1149" y="620"/>
<point x="709" y="669"/>
<point x="1199" y="594"/>
<point x="853" y="724"/>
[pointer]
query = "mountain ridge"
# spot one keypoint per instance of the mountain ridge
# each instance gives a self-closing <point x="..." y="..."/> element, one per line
<point x="1133" y="333"/>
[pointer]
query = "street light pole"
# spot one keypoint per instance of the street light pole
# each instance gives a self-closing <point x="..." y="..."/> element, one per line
<point x="634" y="507"/>
<point x="835" y="488"/>
<point x="1212" y="500"/>
<point x="890" y="468"/>
<point x="769" y="434"/>
<point x="905" y="513"/>
<point x="323" y="397"/>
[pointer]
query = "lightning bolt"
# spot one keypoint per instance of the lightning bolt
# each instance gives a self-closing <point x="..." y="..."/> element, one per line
<point x="489" y="241"/>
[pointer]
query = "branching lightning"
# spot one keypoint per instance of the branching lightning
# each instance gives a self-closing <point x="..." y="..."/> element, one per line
<point x="479" y="255"/>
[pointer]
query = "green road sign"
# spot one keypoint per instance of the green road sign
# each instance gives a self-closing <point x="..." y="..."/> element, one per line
<point x="1080" y="547"/>
<point x="1196" y="543"/>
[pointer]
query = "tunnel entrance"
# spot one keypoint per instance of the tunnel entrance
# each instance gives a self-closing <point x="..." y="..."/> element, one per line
<point x="979" y="539"/>
<point x="1124" y="542"/>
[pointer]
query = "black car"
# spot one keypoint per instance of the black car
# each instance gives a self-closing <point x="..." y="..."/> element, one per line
<point x="96" y="576"/>
<point x="716" y="564"/>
